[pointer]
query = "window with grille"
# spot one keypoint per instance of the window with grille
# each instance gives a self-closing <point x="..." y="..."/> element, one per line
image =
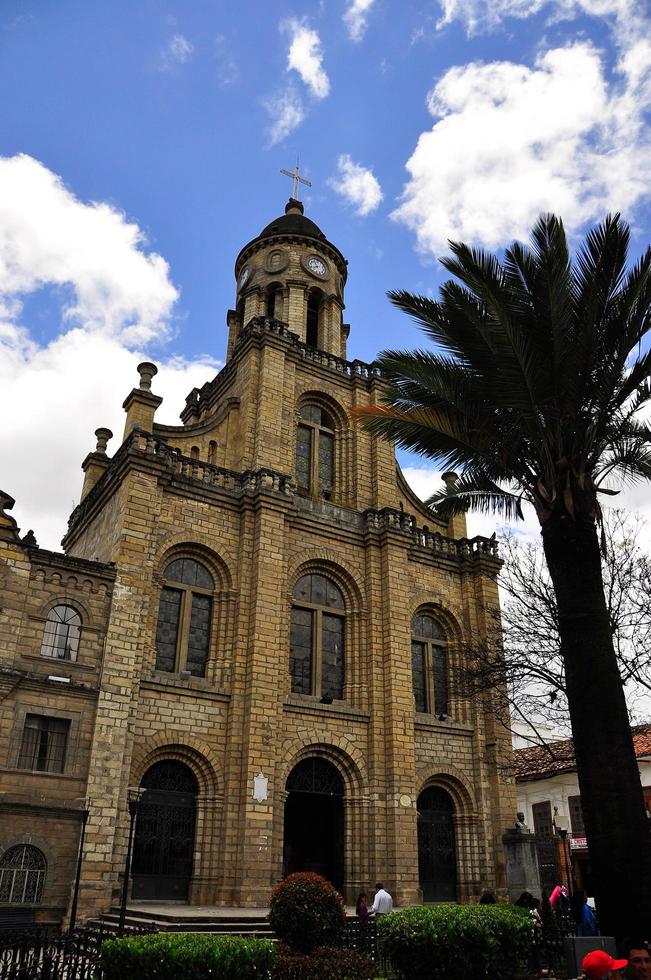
<point x="61" y="633"/>
<point x="543" y="824"/>
<point x="316" y="654"/>
<point x="44" y="742"/>
<point x="429" y="665"/>
<point x="576" y="816"/>
<point x="184" y="617"/>
<point x="22" y="875"/>
<point x="315" y="452"/>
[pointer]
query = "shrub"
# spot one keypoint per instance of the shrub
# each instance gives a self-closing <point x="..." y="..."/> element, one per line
<point x="306" y="911"/>
<point x="457" y="942"/>
<point x="185" y="956"/>
<point x="323" y="964"/>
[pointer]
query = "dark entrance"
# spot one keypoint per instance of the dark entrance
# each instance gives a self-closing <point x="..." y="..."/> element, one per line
<point x="437" y="859"/>
<point x="314" y="821"/>
<point x="164" y="839"/>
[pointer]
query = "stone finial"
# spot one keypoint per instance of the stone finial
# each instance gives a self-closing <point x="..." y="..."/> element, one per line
<point x="450" y="478"/>
<point x="146" y="370"/>
<point x="8" y="527"/>
<point x="29" y="540"/>
<point x="103" y="436"/>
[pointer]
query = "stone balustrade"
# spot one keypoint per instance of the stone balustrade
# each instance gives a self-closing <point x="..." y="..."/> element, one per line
<point x="145" y="445"/>
<point x="434" y="541"/>
<point x="197" y="470"/>
<point x="260" y="326"/>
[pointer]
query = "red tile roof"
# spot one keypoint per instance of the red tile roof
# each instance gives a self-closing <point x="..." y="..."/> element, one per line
<point x="553" y="758"/>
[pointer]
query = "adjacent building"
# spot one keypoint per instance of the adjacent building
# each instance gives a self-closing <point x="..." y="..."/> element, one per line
<point x="549" y="797"/>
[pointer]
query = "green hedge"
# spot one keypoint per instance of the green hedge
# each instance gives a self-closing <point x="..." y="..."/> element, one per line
<point x="322" y="964"/>
<point x="457" y="942"/>
<point x="306" y="911"/>
<point x="185" y="956"/>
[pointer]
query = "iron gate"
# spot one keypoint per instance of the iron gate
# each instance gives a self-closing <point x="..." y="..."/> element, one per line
<point x="164" y="839"/>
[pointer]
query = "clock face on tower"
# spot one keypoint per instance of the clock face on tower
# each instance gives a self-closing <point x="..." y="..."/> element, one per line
<point x="244" y="275"/>
<point x="316" y="265"/>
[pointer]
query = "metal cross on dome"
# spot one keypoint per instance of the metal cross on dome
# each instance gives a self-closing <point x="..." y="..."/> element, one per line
<point x="296" y="180"/>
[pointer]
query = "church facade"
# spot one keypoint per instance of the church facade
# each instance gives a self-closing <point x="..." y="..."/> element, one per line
<point x="252" y="635"/>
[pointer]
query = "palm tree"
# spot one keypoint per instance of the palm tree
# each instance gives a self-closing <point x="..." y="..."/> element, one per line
<point x="533" y="392"/>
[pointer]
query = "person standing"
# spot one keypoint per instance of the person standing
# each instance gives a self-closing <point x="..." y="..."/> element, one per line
<point x="361" y="908"/>
<point x="584" y="920"/>
<point x="382" y="903"/>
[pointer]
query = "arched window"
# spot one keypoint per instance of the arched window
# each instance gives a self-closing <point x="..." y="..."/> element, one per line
<point x="429" y="664"/>
<point x="61" y="634"/>
<point x="312" y="324"/>
<point x="22" y="875"/>
<point x="275" y="301"/>
<point x="185" y="612"/>
<point x="212" y="451"/>
<point x="315" y="452"/>
<point x="316" y="654"/>
<point x="194" y="452"/>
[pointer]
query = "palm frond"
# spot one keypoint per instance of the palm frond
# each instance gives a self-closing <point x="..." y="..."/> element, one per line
<point x="474" y="491"/>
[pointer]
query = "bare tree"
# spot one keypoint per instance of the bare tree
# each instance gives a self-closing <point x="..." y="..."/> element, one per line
<point x="523" y="647"/>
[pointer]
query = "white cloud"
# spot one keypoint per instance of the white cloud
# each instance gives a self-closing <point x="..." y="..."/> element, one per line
<point x="356" y="18"/>
<point x="47" y="236"/>
<point x="356" y="184"/>
<point x="306" y="57"/>
<point x="228" y="71"/>
<point x="178" y="51"/>
<point x="482" y="15"/>
<point x="511" y="141"/>
<point x="287" y="113"/>
<point x="116" y="298"/>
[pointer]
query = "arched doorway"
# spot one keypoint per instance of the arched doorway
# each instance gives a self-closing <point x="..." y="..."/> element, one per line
<point x="314" y="821"/>
<point x="164" y="839"/>
<point x="437" y="859"/>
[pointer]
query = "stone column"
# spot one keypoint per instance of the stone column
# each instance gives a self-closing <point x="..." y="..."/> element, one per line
<point x="392" y="716"/>
<point x="521" y="864"/>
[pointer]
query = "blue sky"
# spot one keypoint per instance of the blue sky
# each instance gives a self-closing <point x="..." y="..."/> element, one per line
<point x="140" y="148"/>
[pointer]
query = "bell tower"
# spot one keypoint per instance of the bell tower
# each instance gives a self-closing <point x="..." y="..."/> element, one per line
<point x="293" y="274"/>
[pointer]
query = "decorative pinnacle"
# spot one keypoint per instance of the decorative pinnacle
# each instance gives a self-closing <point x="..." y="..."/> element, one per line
<point x="103" y="436"/>
<point x="146" y="370"/>
<point x="449" y="478"/>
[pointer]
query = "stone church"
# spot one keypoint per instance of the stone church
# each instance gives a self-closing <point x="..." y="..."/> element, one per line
<point x="252" y="634"/>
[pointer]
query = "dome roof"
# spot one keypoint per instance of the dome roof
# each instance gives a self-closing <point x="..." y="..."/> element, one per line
<point x="293" y="222"/>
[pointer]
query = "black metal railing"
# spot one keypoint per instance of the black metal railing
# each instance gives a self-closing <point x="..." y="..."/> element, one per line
<point x="38" y="954"/>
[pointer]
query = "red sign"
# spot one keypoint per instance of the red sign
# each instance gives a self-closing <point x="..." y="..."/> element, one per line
<point x="576" y="843"/>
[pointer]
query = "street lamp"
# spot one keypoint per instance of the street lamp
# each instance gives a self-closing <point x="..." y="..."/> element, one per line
<point x="133" y="801"/>
<point x="75" y="898"/>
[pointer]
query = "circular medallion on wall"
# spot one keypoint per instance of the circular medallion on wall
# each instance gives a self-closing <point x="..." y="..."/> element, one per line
<point x="316" y="266"/>
<point x="276" y="260"/>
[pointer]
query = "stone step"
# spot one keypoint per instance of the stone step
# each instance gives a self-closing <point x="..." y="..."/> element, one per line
<point x="252" y="926"/>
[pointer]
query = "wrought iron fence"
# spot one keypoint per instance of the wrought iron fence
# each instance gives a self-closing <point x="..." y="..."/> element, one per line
<point x="36" y="954"/>
<point x="362" y="936"/>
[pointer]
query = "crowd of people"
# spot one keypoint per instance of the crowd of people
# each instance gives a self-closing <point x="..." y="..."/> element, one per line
<point x="596" y="965"/>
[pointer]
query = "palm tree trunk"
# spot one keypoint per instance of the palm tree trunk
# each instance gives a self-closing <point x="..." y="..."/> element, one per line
<point x="616" y="824"/>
